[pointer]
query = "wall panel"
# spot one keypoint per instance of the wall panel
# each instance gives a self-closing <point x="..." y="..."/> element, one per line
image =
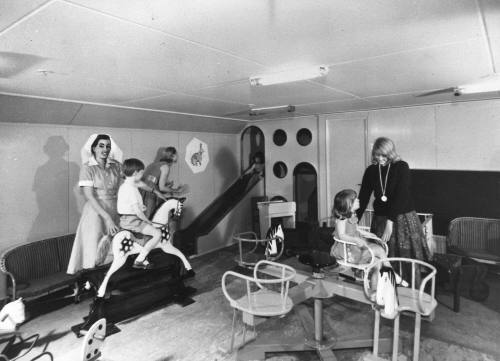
<point x="346" y="155"/>
<point x="40" y="196"/>
<point x="411" y="129"/>
<point x="468" y="136"/>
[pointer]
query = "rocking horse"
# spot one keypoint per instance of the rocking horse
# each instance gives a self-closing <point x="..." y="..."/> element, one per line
<point x="139" y="290"/>
<point x="126" y="243"/>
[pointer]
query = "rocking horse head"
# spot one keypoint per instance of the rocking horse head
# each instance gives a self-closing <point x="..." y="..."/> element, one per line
<point x="11" y="315"/>
<point x="171" y="208"/>
<point x="386" y="295"/>
<point x="275" y="242"/>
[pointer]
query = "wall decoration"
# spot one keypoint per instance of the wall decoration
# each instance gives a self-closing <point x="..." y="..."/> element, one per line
<point x="197" y="155"/>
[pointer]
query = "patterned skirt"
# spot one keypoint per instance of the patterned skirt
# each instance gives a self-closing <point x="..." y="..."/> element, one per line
<point x="407" y="239"/>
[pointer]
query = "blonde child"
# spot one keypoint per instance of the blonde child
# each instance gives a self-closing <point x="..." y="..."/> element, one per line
<point x="131" y="209"/>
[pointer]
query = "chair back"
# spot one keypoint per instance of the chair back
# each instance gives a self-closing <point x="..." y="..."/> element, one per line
<point x="344" y="248"/>
<point x="346" y="260"/>
<point x="418" y="297"/>
<point x="265" y="293"/>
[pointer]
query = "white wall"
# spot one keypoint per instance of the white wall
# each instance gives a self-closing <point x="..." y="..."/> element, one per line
<point x="291" y="153"/>
<point x="40" y="168"/>
<point x="455" y="136"/>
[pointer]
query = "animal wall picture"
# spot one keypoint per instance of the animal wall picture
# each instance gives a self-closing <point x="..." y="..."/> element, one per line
<point x="197" y="157"/>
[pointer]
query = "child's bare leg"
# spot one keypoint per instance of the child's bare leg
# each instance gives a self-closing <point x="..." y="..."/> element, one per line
<point x="155" y="233"/>
<point x="375" y="272"/>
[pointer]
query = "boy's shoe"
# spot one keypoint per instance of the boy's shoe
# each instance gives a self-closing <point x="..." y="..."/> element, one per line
<point x="142" y="265"/>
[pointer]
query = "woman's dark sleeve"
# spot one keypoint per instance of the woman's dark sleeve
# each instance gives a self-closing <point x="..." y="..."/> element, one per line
<point x="364" y="193"/>
<point x="401" y="195"/>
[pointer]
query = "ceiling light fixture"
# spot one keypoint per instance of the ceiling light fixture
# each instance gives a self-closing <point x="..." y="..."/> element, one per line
<point x="490" y="83"/>
<point x="289" y="76"/>
<point x="262" y="110"/>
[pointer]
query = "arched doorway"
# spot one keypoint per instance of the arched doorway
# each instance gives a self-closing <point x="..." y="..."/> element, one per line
<point x="252" y="141"/>
<point x="305" y="193"/>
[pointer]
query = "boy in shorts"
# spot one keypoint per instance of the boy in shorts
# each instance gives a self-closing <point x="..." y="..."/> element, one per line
<point x="131" y="209"/>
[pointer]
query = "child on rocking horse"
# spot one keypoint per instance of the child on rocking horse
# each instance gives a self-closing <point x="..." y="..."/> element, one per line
<point x="131" y="209"/>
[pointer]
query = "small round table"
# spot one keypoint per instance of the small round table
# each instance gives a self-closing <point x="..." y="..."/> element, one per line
<point x="318" y="260"/>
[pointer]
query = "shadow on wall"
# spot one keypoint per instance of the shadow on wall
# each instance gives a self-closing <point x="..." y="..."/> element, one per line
<point x="51" y="184"/>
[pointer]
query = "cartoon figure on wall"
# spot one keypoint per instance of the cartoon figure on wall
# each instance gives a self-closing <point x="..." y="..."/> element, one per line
<point x="197" y="155"/>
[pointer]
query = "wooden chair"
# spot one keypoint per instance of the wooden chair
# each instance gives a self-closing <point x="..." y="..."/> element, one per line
<point x="418" y="298"/>
<point x="263" y="297"/>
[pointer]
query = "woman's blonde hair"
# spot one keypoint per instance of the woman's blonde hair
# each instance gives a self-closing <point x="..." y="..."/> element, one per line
<point x="384" y="146"/>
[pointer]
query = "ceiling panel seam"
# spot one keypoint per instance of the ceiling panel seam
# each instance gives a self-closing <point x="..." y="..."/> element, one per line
<point x="122" y="106"/>
<point x="208" y="47"/>
<point x="26" y="16"/>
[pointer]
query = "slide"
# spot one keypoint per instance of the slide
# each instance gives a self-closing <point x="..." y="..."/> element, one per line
<point x="185" y="238"/>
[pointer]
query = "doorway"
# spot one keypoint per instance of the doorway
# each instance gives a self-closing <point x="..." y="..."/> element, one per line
<point x="305" y="193"/>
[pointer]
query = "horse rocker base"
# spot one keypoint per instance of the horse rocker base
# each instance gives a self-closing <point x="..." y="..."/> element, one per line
<point x="131" y="291"/>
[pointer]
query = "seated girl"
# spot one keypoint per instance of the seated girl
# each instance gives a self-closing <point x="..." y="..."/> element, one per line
<point x="345" y="205"/>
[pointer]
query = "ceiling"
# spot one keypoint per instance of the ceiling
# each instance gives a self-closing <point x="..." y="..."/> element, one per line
<point x="158" y="64"/>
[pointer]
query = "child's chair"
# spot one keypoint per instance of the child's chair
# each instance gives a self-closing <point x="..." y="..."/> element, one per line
<point x="263" y="297"/>
<point x="360" y="266"/>
<point x="250" y="247"/>
<point x="416" y="298"/>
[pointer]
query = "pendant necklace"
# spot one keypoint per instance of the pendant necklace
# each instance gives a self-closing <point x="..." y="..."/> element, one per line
<point x="383" y="186"/>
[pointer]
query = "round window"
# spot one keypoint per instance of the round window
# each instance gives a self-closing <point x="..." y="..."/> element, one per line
<point x="279" y="137"/>
<point x="280" y="169"/>
<point x="304" y="136"/>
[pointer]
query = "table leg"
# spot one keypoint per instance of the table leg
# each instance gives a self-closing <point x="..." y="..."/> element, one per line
<point x="318" y="319"/>
<point x="320" y="342"/>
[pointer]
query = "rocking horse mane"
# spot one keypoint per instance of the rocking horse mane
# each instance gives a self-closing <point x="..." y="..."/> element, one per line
<point x="275" y="237"/>
<point x="387" y="292"/>
<point x="275" y="231"/>
<point x="169" y="208"/>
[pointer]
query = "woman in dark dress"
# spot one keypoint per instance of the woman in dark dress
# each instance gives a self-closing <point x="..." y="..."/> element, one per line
<point x="395" y="219"/>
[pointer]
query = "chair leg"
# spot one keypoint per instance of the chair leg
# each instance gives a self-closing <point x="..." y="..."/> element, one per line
<point x="244" y="333"/>
<point x="376" y="332"/>
<point x="232" y="331"/>
<point x="395" y="339"/>
<point x="416" y="337"/>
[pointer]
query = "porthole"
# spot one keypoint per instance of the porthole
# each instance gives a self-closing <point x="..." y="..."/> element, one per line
<point x="304" y="136"/>
<point x="280" y="169"/>
<point x="279" y="137"/>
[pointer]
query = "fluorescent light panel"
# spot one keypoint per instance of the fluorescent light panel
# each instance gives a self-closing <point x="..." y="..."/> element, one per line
<point x="256" y="111"/>
<point x="489" y="84"/>
<point x="289" y="76"/>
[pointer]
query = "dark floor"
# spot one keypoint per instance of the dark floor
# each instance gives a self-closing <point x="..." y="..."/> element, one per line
<point x="201" y="331"/>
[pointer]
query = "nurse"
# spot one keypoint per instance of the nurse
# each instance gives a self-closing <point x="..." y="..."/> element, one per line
<point x="100" y="178"/>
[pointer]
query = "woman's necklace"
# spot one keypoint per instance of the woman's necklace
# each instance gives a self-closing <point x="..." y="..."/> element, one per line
<point x="383" y="186"/>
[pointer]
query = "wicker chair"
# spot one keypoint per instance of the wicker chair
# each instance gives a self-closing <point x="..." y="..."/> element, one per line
<point x="477" y="238"/>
